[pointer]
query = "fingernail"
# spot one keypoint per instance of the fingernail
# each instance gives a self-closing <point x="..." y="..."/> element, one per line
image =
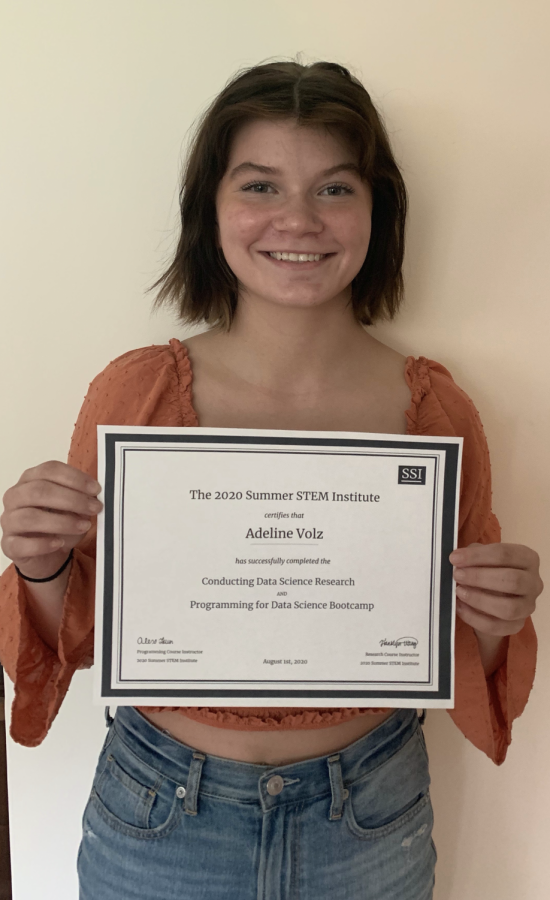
<point x="459" y="573"/>
<point x="55" y="545"/>
<point x="93" y="487"/>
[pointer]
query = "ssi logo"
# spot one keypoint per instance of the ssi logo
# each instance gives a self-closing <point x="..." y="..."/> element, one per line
<point x="411" y="475"/>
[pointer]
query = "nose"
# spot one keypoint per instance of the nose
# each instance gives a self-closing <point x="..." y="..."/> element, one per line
<point x="296" y="216"/>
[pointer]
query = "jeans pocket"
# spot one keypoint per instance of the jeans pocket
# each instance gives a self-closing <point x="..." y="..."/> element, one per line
<point x="420" y="810"/>
<point x="392" y="795"/>
<point x="132" y="797"/>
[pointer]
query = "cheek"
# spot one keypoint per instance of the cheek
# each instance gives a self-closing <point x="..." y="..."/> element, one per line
<point x="351" y="228"/>
<point x="241" y="227"/>
<point x="356" y="236"/>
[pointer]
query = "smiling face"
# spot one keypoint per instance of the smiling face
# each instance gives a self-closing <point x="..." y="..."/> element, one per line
<point x="294" y="216"/>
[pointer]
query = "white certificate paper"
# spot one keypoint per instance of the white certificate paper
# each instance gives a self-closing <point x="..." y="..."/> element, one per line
<point x="275" y="568"/>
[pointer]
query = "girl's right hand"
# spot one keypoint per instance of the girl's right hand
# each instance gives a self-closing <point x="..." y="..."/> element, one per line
<point x="45" y="515"/>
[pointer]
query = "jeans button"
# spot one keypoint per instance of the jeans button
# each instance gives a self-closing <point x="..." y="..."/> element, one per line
<point x="275" y="785"/>
<point x="180" y="792"/>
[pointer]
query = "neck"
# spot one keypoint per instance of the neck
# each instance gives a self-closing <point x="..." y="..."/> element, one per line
<point x="293" y="346"/>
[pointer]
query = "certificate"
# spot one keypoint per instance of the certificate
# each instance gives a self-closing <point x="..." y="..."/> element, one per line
<point x="275" y="568"/>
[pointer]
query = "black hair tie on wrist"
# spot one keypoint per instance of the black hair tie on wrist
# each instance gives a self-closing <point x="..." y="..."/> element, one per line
<point x="51" y="577"/>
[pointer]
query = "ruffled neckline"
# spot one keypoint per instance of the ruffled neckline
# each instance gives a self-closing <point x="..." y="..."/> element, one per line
<point x="417" y="376"/>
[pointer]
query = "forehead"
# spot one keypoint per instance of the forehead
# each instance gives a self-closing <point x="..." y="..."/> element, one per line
<point x="274" y="143"/>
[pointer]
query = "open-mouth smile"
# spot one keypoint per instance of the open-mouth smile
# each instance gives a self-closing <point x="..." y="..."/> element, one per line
<point x="296" y="257"/>
<point x="289" y="259"/>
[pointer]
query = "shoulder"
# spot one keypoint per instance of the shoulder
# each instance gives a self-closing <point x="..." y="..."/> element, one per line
<point x="149" y="363"/>
<point x="438" y="405"/>
<point x="150" y="385"/>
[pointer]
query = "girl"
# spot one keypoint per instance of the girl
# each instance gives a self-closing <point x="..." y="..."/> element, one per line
<point x="293" y="214"/>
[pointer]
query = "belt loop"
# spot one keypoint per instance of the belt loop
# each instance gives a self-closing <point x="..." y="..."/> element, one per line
<point x="193" y="781"/>
<point x="339" y="793"/>
<point x="108" y="717"/>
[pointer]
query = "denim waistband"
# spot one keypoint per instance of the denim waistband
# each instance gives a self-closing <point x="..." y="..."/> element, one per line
<point x="247" y="782"/>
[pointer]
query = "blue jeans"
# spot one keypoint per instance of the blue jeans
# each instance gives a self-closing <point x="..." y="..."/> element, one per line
<point x="165" y="822"/>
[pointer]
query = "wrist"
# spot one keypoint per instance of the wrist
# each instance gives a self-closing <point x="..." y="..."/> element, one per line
<point x="493" y="650"/>
<point x="44" y="578"/>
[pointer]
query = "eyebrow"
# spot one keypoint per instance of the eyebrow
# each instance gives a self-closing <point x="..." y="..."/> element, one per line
<point x="269" y="170"/>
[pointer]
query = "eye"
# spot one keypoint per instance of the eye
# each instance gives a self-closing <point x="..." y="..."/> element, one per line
<point x="257" y="187"/>
<point x="338" y="190"/>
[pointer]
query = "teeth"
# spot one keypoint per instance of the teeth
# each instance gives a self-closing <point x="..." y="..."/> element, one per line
<point x="297" y="257"/>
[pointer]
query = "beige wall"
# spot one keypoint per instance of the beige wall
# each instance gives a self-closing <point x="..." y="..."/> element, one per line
<point x="100" y="95"/>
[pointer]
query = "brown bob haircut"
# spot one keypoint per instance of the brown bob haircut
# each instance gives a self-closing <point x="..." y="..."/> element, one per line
<point x="198" y="282"/>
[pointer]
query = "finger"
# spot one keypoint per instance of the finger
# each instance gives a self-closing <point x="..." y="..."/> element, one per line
<point x="513" y="556"/>
<point x="47" y="495"/>
<point x="30" y="520"/>
<point x="20" y="547"/>
<point x="496" y="605"/>
<point x="488" y="624"/>
<point x="63" y="474"/>
<point x="501" y="581"/>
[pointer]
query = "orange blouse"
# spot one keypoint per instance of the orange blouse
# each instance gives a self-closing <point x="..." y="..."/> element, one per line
<point x="153" y="386"/>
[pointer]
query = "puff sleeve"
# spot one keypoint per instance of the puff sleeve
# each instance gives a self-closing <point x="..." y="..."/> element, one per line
<point x="484" y="708"/>
<point x="150" y="386"/>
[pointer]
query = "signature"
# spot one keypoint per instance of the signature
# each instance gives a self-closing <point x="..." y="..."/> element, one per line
<point x="400" y="642"/>
<point x="148" y="640"/>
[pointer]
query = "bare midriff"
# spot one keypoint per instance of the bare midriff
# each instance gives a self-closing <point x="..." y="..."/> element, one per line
<point x="273" y="748"/>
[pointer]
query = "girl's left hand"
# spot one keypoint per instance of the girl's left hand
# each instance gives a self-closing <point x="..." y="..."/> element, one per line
<point x="497" y="586"/>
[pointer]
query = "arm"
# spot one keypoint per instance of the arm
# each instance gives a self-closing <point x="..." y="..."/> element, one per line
<point x="494" y="669"/>
<point x="493" y="652"/>
<point x="45" y="607"/>
<point x="47" y="631"/>
<point x="497" y="589"/>
<point x="45" y="516"/>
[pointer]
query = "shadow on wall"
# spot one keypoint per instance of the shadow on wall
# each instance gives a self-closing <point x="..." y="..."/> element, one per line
<point x="5" y="872"/>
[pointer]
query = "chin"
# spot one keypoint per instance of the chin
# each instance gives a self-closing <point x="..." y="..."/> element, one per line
<point x="299" y="299"/>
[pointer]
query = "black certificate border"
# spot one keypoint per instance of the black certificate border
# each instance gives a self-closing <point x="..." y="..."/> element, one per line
<point x="450" y="455"/>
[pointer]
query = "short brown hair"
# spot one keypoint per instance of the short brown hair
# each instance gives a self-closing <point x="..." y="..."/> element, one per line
<point x="198" y="281"/>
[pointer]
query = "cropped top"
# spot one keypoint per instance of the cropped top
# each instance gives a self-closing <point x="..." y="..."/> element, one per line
<point x="153" y="386"/>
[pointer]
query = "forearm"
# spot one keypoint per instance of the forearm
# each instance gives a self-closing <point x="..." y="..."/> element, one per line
<point x="493" y="650"/>
<point x="45" y="606"/>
